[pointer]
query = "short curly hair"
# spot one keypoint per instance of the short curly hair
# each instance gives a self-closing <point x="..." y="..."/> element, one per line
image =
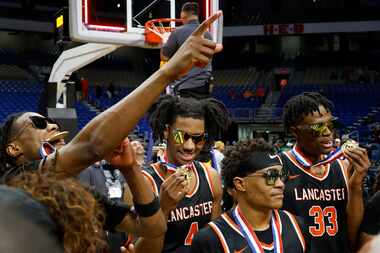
<point x="301" y="105"/>
<point x="77" y="213"/>
<point x="239" y="154"/>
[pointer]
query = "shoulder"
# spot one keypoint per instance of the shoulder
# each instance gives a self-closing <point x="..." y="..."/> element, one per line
<point x="151" y="169"/>
<point x="205" y="234"/>
<point x="205" y="241"/>
<point x="300" y="228"/>
<point x="297" y="222"/>
<point x="150" y="175"/>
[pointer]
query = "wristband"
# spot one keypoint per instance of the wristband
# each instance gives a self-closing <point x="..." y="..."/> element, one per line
<point x="147" y="210"/>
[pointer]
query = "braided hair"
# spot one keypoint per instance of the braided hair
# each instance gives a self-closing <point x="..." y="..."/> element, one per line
<point x="301" y="105"/>
<point x="166" y="110"/>
<point x="7" y="161"/>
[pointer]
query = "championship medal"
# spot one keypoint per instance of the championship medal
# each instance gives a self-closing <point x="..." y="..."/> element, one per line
<point x="350" y="145"/>
<point x="185" y="169"/>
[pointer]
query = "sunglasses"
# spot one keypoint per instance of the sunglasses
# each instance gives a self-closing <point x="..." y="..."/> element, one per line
<point x="180" y="137"/>
<point x="38" y="122"/>
<point x="271" y="176"/>
<point x="318" y="129"/>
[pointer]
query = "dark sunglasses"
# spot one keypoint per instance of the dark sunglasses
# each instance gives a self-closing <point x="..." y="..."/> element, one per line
<point x="180" y="137"/>
<point x="318" y="129"/>
<point x="37" y="122"/>
<point x="271" y="176"/>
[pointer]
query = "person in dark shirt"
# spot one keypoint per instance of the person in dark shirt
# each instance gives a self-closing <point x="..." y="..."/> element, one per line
<point x="188" y="199"/>
<point x="196" y="83"/>
<point x="108" y="181"/>
<point x="327" y="193"/>
<point x="254" y="223"/>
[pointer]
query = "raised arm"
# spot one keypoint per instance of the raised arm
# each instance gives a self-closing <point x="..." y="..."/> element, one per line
<point x="106" y="131"/>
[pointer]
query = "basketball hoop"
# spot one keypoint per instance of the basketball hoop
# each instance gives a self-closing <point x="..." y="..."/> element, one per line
<point x="157" y="31"/>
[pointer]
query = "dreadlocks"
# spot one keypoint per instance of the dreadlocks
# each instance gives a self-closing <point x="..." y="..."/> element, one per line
<point x="168" y="108"/>
<point x="301" y="105"/>
<point x="7" y="129"/>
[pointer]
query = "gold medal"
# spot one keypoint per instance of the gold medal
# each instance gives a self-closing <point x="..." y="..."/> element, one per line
<point x="350" y="145"/>
<point x="185" y="169"/>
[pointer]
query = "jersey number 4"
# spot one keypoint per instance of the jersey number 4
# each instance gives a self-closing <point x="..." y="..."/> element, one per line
<point x="190" y="235"/>
<point x="321" y="227"/>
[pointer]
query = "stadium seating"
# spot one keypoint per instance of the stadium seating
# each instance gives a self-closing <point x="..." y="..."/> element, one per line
<point x="16" y="96"/>
<point x="353" y="102"/>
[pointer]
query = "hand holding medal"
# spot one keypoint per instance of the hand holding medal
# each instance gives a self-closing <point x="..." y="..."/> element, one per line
<point x="358" y="158"/>
<point x="186" y="171"/>
<point x="172" y="191"/>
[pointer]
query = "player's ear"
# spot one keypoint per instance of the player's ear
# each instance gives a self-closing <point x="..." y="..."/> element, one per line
<point x="239" y="184"/>
<point x="14" y="150"/>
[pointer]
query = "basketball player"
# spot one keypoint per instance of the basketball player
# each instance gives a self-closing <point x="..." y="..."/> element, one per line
<point x="196" y="83"/>
<point x="255" y="224"/>
<point x="30" y="137"/>
<point x="188" y="203"/>
<point x="327" y="196"/>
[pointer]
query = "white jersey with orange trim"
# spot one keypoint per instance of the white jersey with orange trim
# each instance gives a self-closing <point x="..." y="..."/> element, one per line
<point x="193" y="212"/>
<point x="320" y="200"/>
<point x="223" y="235"/>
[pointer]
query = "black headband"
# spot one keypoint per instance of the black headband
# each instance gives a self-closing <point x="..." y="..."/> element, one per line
<point x="258" y="161"/>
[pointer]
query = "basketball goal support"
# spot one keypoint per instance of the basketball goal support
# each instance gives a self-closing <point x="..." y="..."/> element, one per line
<point x="72" y="60"/>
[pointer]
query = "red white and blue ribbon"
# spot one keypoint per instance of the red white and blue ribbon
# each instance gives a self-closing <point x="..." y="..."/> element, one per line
<point x="46" y="149"/>
<point x="251" y="237"/>
<point x="171" y="166"/>
<point x="337" y="153"/>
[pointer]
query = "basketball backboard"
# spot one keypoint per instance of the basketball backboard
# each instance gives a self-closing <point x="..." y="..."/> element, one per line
<point x="122" y="22"/>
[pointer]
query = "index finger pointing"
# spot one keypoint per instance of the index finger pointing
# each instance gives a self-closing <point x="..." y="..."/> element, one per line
<point x="202" y="28"/>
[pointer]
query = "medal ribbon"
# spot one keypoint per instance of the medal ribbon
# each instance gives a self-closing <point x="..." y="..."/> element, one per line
<point x="250" y="235"/>
<point x="337" y="153"/>
<point x="46" y="149"/>
<point x="171" y="166"/>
